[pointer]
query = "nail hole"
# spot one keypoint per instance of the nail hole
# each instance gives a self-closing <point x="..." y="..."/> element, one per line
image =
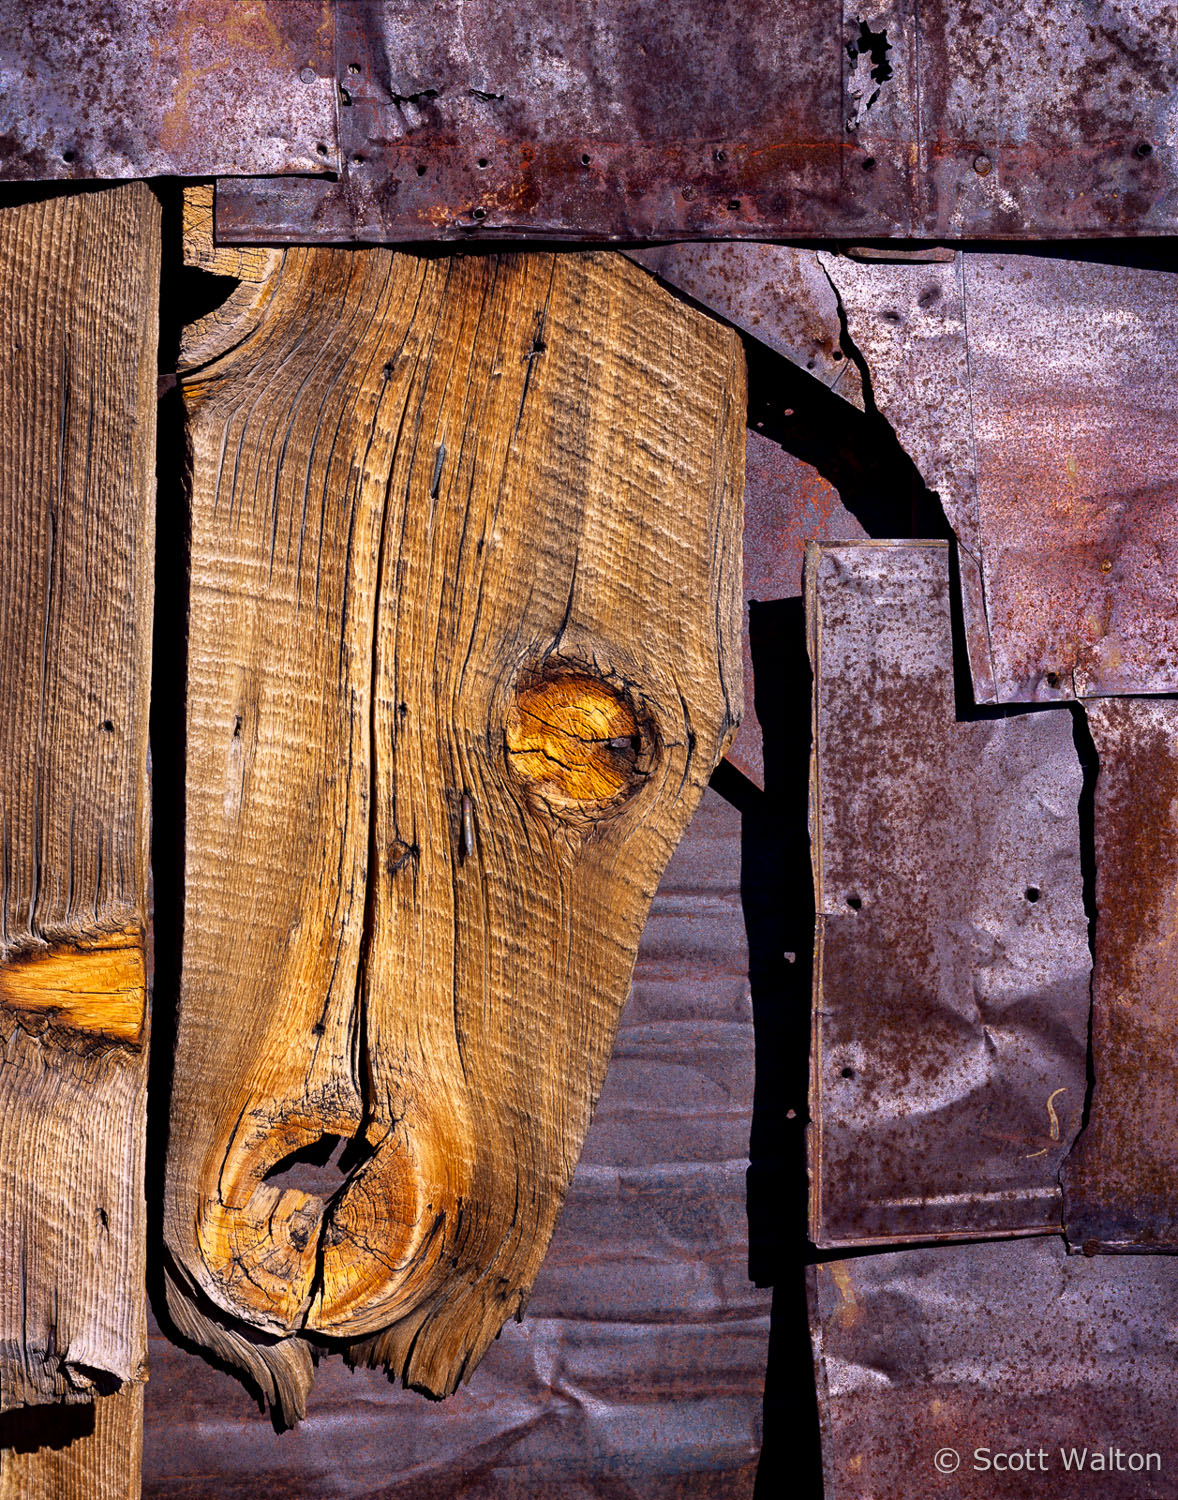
<point x="847" y="1073"/>
<point x="734" y="205"/>
<point x="353" y="67"/>
<point x="720" y="156"/>
<point x="479" y="213"/>
<point x="482" y="161"/>
<point x="1143" y="150"/>
<point x="869" y="163"/>
<point x="1053" y="679"/>
<point x="321" y="148"/>
<point x="357" y="160"/>
<point x="837" y="354"/>
<point x="420" y="171"/>
<point x="585" y="158"/>
<point x="69" y="155"/>
<point x="855" y="902"/>
<point x="1032" y="893"/>
<point x="108" y="726"/>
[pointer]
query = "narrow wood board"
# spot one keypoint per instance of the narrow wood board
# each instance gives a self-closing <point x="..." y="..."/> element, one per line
<point x="102" y="1460"/>
<point x="464" y="650"/>
<point x="79" y="278"/>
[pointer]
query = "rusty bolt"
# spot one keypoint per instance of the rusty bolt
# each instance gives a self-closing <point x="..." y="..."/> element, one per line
<point x="1106" y="566"/>
<point x="308" y="75"/>
<point x="981" y="165"/>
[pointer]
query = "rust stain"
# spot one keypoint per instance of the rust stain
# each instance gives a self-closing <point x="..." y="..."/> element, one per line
<point x="849" y="1313"/>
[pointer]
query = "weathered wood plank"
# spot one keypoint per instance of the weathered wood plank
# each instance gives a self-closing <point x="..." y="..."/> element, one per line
<point x="464" y="626"/>
<point x="79" y="278"/>
<point x="103" y="1461"/>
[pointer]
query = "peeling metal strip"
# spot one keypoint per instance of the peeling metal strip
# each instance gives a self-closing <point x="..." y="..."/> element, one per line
<point x="738" y="120"/>
<point x="1121" y="1180"/>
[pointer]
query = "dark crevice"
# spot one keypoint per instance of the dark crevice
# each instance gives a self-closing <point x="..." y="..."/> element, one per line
<point x="168" y="733"/>
<point x="1090" y="767"/>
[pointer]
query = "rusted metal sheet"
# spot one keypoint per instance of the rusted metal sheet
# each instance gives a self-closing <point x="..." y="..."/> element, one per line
<point x="1076" y="427"/>
<point x="639" y="1367"/>
<point x="944" y="1373"/>
<point x="777" y="293"/>
<point x="1036" y="396"/>
<point x="145" y="88"/>
<point x="1061" y="116"/>
<point x="743" y="120"/>
<point x="951" y="964"/>
<point x="1121" y="1180"/>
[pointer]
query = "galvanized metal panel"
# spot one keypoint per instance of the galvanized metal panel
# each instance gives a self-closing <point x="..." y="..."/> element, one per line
<point x="639" y="1367"/>
<point x="925" y="1357"/>
<point x="145" y="88"/>
<point x="1121" y="1180"/>
<point x="745" y="120"/>
<point x="1036" y="396"/>
<point x="951" y="966"/>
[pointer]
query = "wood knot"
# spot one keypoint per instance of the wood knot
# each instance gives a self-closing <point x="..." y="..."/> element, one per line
<point x="576" y="740"/>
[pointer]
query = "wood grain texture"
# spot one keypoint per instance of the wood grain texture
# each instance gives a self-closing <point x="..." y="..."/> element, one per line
<point x="252" y="267"/>
<point x="104" y="1461"/>
<point x="464" y="625"/>
<point x="79" y="276"/>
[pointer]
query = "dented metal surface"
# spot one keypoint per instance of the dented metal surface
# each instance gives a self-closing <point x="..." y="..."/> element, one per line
<point x="951" y="964"/>
<point x="639" y="1367"/>
<point x="1121" y="1180"/>
<point x="146" y="88"/>
<point x="743" y="120"/>
<point x="1036" y="396"/>
<point x="932" y="1361"/>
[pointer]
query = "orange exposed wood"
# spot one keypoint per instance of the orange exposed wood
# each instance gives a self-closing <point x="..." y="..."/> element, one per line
<point x="92" y="984"/>
<point x="574" y="738"/>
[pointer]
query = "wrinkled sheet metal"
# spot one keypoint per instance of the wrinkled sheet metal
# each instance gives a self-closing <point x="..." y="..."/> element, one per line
<point x="639" y="1368"/>
<point x="1037" y="397"/>
<point x="1121" y="1180"/>
<point x="146" y="88"/>
<point x="776" y="293"/>
<point x="952" y="964"/>
<point x="739" y="120"/>
<point x="1012" y="1347"/>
